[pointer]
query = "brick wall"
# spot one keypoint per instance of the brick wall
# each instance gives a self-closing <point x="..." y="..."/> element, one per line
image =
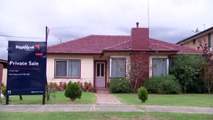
<point x="139" y="65"/>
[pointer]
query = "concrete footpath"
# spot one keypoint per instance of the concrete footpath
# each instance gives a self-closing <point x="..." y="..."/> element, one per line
<point x="198" y="110"/>
<point x="95" y="107"/>
<point x="104" y="102"/>
<point x="66" y="107"/>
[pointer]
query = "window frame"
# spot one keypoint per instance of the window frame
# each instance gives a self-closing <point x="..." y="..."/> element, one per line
<point x="194" y="41"/>
<point x="111" y="67"/>
<point x="167" y="65"/>
<point x="67" y="61"/>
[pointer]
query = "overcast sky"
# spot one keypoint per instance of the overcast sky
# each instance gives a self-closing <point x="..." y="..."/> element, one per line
<point x="169" y="20"/>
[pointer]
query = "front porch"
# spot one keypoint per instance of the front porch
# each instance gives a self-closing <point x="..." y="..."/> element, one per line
<point x="107" y="66"/>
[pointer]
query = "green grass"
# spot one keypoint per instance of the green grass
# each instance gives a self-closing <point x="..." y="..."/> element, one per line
<point x="200" y="100"/>
<point x="86" y="98"/>
<point x="102" y="116"/>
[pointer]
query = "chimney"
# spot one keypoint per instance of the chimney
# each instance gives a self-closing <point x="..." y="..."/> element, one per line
<point x="140" y="38"/>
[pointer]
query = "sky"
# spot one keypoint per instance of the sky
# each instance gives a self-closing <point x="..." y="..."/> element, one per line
<point x="168" y="20"/>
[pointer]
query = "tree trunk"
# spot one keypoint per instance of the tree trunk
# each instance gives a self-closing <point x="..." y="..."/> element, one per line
<point x="135" y="86"/>
<point x="209" y="90"/>
<point x="184" y="89"/>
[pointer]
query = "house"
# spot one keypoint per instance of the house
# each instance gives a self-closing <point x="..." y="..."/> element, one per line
<point x="97" y="58"/>
<point x="3" y="71"/>
<point x="204" y="37"/>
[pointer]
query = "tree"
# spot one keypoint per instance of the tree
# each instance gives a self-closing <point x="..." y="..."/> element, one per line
<point x="185" y="68"/>
<point x="207" y="67"/>
<point x="207" y="76"/>
<point x="138" y="69"/>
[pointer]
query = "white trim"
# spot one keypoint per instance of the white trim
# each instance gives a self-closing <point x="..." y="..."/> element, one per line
<point x="151" y="66"/>
<point x="120" y="57"/>
<point x="167" y="66"/>
<point x="110" y="67"/>
<point x="67" y="68"/>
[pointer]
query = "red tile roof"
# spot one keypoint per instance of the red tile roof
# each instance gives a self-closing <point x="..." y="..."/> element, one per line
<point x="97" y="44"/>
<point x="166" y="46"/>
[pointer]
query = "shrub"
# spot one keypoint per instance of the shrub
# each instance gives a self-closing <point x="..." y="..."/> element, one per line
<point x="163" y="85"/>
<point x="73" y="91"/>
<point x="3" y="90"/>
<point x="52" y="86"/>
<point x="87" y="86"/>
<point x="80" y="84"/>
<point x="120" y="85"/>
<point x="62" y="86"/>
<point x="187" y="69"/>
<point x="142" y="94"/>
<point x="197" y="86"/>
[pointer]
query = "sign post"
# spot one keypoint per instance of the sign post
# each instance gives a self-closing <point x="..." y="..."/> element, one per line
<point x="26" y="69"/>
<point x="1" y="74"/>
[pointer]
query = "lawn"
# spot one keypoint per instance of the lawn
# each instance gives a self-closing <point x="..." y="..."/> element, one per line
<point x="200" y="100"/>
<point x="102" y="116"/>
<point x="86" y="98"/>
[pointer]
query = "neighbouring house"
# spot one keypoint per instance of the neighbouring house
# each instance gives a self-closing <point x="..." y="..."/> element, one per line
<point x="204" y="37"/>
<point x="3" y="71"/>
<point x="98" y="58"/>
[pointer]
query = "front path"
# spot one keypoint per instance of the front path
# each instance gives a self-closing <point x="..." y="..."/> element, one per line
<point x="106" y="99"/>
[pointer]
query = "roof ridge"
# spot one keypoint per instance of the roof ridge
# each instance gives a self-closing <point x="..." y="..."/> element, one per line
<point x="164" y="45"/>
<point x="107" y="35"/>
<point x="77" y="39"/>
<point x="117" y="44"/>
<point x="96" y="44"/>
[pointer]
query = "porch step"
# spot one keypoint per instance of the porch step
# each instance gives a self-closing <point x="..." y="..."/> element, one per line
<point x="102" y="90"/>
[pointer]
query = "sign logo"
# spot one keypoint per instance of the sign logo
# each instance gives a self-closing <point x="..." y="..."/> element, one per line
<point x="25" y="47"/>
<point x="37" y="46"/>
<point x="28" y="47"/>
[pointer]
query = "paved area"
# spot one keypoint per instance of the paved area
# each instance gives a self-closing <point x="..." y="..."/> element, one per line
<point x="112" y="108"/>
<point x="107" y="99"/>
<point x="66" y="108"/>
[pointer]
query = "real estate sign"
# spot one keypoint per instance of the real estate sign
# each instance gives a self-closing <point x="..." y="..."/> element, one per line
<point x="26" y="68"/>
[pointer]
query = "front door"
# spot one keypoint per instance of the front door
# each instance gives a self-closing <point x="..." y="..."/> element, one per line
<point x="100" y="74"/>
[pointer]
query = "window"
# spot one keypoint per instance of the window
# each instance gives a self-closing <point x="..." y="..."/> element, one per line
<point x="118" y="67"/>
<point x="61" y="68"/>
<point x="159" y="67"/>
<point x="100" y="66"/>
<point x="194" y="42"/>
<point x="67" y="68"/>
